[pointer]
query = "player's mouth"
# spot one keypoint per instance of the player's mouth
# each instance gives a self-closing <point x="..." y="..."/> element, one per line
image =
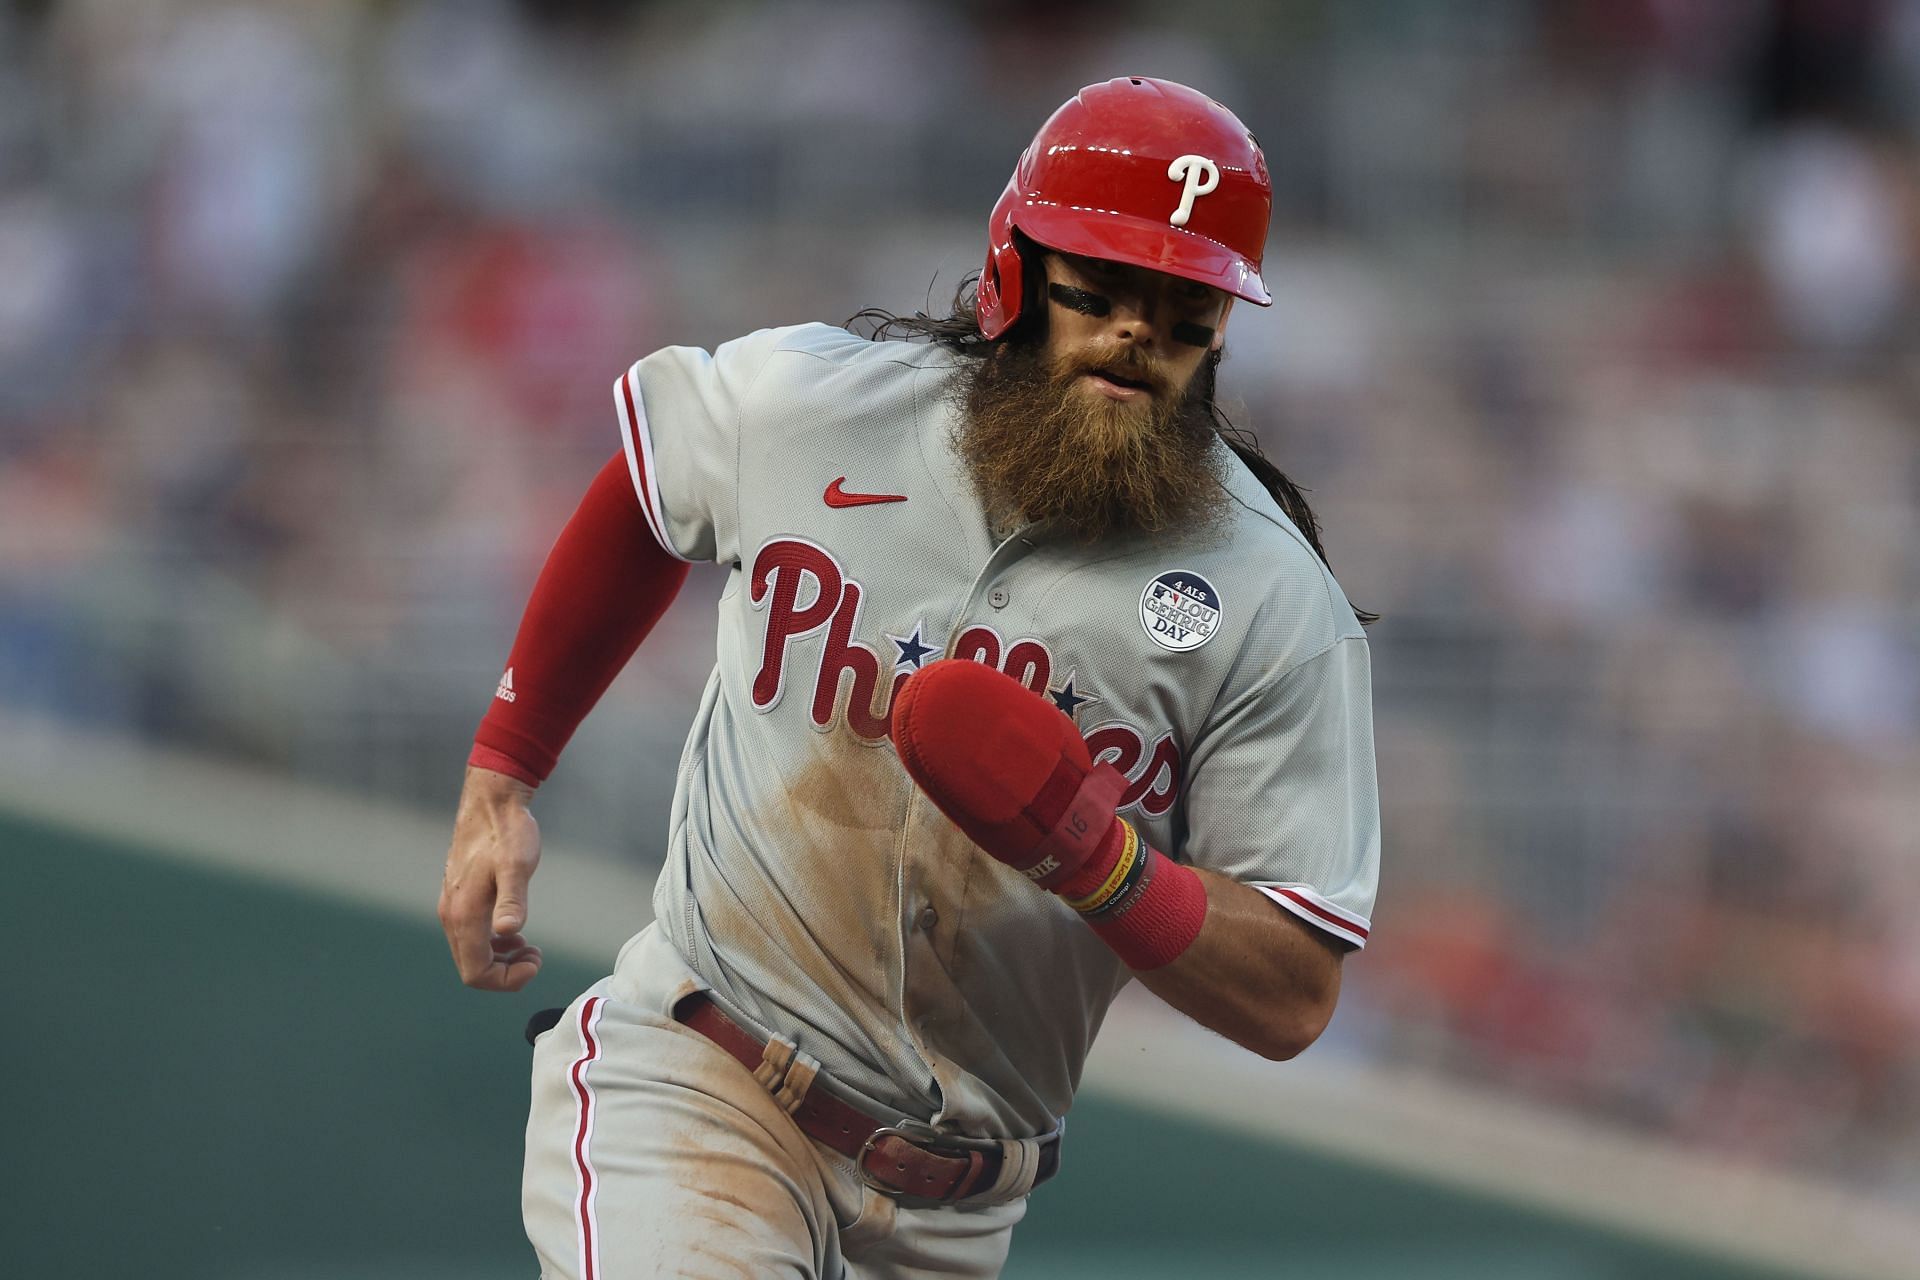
<point x="1118" y="386"/>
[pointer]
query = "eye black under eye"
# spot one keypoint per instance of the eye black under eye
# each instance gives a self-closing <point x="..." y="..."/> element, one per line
<point x="1084" y="301"/>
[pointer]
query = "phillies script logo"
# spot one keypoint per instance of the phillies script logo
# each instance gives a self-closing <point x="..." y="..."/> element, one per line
<point x="805" y="592"/>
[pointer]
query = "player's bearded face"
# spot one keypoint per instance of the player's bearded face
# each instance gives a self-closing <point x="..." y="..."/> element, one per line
<point x="1042" y="444"/>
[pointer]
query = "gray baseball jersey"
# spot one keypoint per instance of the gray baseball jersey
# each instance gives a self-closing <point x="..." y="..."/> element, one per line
<point x="806" y="878"/>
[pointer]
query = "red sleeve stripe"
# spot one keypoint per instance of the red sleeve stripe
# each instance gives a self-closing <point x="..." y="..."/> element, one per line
<point x="1316" y="910"/>
<point x="583" y="1137"/>
<point x="638" y="443"/>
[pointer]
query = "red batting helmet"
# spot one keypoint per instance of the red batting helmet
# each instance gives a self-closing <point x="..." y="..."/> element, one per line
<point x="1141" y="171"/>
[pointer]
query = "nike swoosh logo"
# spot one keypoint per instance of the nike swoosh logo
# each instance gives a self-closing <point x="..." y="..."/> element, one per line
<point x="838" y="497"/>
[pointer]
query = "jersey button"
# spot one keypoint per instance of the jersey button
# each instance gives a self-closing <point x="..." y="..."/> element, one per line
<point x="998" y="597"/>
<point x="928" y="918"/>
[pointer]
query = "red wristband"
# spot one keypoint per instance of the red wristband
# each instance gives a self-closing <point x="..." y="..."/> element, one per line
<point x="1143" y="904"/>
<point x="1160" y="919"/>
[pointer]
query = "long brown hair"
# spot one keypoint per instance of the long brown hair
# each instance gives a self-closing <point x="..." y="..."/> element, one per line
<point x="959" y="331"/>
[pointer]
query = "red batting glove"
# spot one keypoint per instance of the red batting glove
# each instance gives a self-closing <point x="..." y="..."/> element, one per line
<point x="1012" y="772"/>
<point x="1006" y="767"/>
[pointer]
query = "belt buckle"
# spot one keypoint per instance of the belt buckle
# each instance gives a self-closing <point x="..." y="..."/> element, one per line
<point x="923" y="1135"/>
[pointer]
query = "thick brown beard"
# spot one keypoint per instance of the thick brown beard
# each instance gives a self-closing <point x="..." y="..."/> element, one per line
<point x="1039" y="449"/>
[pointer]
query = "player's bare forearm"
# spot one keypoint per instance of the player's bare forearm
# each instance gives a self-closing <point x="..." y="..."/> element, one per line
<point x="1254" y="974"/>
<point x="483" y="895"/>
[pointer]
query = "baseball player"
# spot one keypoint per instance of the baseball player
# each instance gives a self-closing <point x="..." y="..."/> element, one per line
<point x="1029" y="684"/>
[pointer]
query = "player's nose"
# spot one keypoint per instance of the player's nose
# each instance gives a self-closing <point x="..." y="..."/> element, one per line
<point x="1135" y="317"/>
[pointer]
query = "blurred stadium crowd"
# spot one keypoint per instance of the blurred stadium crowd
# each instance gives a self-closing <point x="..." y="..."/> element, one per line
<point x="1595" y="342"/>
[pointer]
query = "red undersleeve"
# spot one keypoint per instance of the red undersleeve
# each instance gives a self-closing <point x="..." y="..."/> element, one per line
<point x="605" y="583"/>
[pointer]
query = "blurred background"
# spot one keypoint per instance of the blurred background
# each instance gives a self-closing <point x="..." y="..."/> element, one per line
<point x="1595" y="342"/>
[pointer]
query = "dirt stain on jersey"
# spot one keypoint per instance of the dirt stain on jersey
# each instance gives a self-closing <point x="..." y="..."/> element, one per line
<point x="857" y="788"/>
<point x="725" y="1197"/>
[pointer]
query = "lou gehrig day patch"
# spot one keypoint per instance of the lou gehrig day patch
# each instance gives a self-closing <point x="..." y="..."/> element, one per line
<point x="1180" y="610"/>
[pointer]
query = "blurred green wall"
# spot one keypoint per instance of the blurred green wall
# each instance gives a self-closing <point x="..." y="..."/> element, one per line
<point x="212" y="1076"/>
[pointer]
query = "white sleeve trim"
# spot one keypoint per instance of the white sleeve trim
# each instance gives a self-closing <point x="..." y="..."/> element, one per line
<point x="1303" y="901"/>
<point x="638" y="444"/>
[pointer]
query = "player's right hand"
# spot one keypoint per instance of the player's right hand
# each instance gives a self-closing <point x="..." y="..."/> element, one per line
<point x="483" y="896"/>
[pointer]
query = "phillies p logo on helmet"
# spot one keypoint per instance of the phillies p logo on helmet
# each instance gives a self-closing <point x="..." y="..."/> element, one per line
<point x="1094" y="182"/>
<point x="1201" y="176"/>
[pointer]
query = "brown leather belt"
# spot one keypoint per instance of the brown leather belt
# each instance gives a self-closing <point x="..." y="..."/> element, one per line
<point x="906" y="1159"/>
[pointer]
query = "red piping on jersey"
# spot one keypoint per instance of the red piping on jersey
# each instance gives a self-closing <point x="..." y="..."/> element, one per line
<point x="1307" y="904"/>
<point x="583" y="1165"/>
<point x="636" y="435"/>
